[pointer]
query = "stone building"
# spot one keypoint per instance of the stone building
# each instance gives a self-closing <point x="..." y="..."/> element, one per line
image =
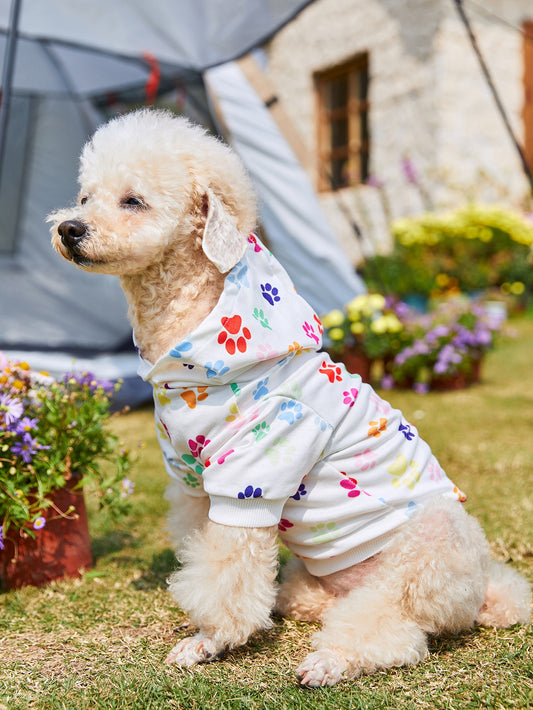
<point x="390" y="101"/>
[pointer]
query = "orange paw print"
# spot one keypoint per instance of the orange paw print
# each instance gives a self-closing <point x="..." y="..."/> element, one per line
<point x="376" y="429"/>
<point x="192" y="397"/>
<point x="461" y="497"/>
<point x="232" y="327"/>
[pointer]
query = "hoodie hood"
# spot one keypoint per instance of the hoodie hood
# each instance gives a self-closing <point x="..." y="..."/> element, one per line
<point x="258" y="317"/>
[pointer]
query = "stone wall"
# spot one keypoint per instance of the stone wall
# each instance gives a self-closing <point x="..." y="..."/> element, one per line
<point x="429" y="103"/>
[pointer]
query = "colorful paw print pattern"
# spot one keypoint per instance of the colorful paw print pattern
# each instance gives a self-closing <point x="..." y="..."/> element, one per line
<point x="291" y="436"/>
<point x="332" y="371"/>
<point x="250" y="492"/>
<point x="234" y="336"/>
<point x="270" y="293"/>
<point x="290" y="412"/>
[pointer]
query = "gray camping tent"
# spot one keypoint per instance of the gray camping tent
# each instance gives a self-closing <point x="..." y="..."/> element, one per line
<point x="73" y="59"/>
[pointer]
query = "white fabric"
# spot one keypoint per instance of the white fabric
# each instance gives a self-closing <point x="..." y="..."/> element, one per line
<point x="250" y="414"/>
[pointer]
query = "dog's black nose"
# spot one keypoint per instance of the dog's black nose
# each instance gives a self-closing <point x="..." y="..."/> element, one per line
<point x="72" y="231"/>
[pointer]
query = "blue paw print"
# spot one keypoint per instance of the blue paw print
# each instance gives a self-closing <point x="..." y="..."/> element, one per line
<point x="321" y="423"/>
<point x="290" y="411"/>
<point x="270" y="293"/>
<point x="300" y="492"/>
<point x="250" y="492"/>
<point x="181" y="348"/>
<point x="261" y="389"/>
<point x="239" y="276"/>
<point x="406" y="431"/>
<point x="214" y="369"/>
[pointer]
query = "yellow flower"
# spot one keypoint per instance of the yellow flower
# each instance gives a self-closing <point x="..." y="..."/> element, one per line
<point x="18" y="385"/>
<point x="517" y="288"/>
<point x="23" y="365"/>
<point x="336" y="334"/>
<point x="333" y="319"/>
<point x="357" y="328"/>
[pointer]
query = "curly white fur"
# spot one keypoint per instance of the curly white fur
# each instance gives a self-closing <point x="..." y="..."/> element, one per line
<point x="151" y="185"/>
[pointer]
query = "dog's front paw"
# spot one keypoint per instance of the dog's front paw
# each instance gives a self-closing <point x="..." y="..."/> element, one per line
<point x="192" y="650"/>
<point x="321" y="668"/>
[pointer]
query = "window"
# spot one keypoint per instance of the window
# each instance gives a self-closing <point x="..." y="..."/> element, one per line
<point x="343" y="136"/>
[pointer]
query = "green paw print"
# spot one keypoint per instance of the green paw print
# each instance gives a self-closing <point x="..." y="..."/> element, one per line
<point x="260" y="316"/>
<point x="292" y="390"/>
<point x="324" y="532"/>
<point x="280" y="451"/>
<point x="260" y="431"/>
<point x="191" y="481"/>
<point x="193" y="463"/>
<point x="235" y="389"/>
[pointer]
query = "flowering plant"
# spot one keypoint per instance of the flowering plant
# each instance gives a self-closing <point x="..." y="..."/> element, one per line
<point x="448" y="341"/>
<point x="367" y="323"/>
<point x="54" y="434"/>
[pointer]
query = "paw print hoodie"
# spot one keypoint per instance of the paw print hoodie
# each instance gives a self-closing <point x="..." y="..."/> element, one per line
<point x="250" y="413"/>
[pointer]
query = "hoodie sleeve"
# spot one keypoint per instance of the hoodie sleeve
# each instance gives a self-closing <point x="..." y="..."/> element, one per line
<point x="250" y="474"/>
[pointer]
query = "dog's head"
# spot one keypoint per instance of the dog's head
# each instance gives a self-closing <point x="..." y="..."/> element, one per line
<point x="151" y="183"/>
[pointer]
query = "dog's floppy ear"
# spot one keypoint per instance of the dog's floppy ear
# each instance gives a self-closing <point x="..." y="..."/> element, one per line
<point x="222" y="242"/>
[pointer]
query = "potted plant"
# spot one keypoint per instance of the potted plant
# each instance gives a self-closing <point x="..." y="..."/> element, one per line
<point x="444" y="349"/>
<point x="367" y="329"/>
<point x="54" y="442"/>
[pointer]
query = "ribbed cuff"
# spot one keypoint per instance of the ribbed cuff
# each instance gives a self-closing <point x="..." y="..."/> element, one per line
<point x="245" y="512"/>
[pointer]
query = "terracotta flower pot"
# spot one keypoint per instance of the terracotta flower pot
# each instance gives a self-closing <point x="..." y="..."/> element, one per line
<point x="62" y="547"/>
<point x="356" y="362"/>
<point x="459" y="380"/>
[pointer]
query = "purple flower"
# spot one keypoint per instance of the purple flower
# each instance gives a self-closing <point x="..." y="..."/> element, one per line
<point x="27" y="448"/>
<point x="39" y="523"/>
<point x="387" y="382"/>
<point x="421" y="387"/>
<point x="409" y="171"/>
<point x="11" y="408"/>
<point x="26" y="424"/>
<point x="374" y="181"/>
<point x="2" y="546"/>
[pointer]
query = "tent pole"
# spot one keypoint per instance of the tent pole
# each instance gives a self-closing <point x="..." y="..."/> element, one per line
<point x="7" y="75"/>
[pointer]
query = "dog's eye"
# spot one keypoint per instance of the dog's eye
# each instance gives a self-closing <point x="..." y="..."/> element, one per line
<point x="132" y="201"/>
<point x="83" y="200"/>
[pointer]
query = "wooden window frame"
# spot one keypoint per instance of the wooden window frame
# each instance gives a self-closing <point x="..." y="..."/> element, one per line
<point x="356" y="150"/>
<point x="528" y="91"/>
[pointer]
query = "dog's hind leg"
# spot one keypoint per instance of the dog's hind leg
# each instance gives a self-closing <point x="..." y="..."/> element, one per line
<point x="431" y="578"/>
<point x="227" y="586"/>
<point x="507" y="599"/>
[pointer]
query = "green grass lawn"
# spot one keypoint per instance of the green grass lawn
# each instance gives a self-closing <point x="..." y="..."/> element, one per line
<point x="99" y="642"/>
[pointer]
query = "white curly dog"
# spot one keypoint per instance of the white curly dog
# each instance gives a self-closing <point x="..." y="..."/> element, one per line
<point x="262" y="434"/>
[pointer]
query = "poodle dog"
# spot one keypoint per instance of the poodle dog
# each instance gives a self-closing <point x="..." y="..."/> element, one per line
<point x="262" y="434"/>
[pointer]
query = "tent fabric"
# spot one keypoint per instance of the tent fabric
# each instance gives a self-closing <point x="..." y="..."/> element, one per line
<point x="189" y="34"/>
<point x="290" y="211"/>
<point x="71" y="54"/>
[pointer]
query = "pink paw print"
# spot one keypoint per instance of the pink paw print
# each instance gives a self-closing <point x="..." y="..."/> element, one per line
<point x="284" y="525"/>
<point x="237" y="341"/>
<point x="197" y="445"/>
<point x="253" y="240"/>
<point x="350" y="396"/>
<point x="351" y="486"/>
<point x="265" y="352"/>
<point x="309" y="330"/>
<point x="366" y="460"/>
<point x="435" y="471"/>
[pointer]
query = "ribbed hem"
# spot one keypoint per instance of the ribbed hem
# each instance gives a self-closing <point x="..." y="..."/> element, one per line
<point x="319" y="568"/>
<point x="245" y="512"/>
